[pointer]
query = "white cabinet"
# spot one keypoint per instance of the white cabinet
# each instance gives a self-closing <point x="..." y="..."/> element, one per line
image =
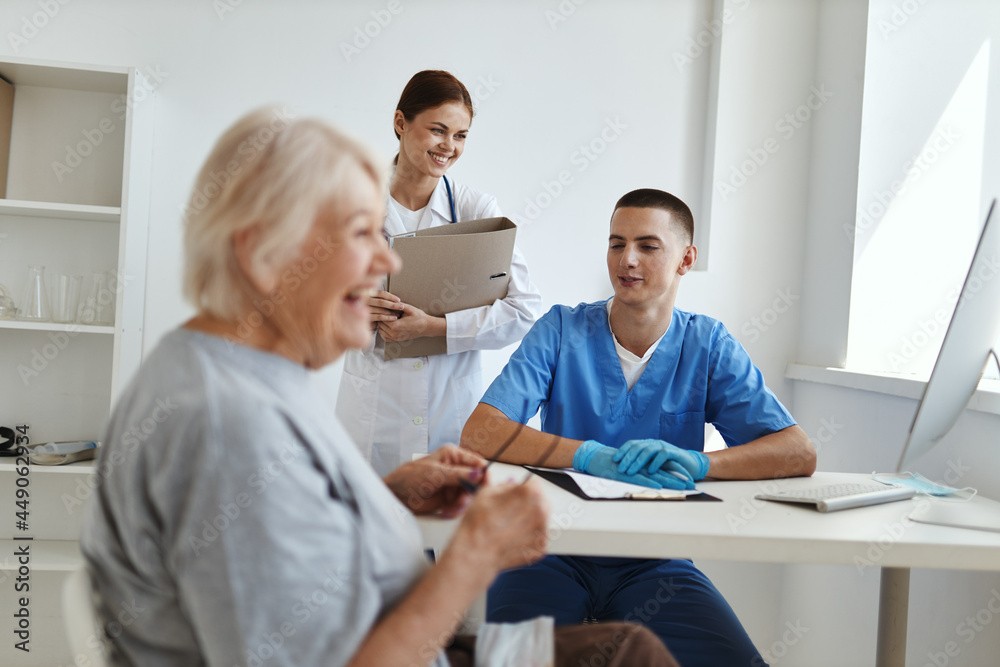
<point x="77" y="202"/>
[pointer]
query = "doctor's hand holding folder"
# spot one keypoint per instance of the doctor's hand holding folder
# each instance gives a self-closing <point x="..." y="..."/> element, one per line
<point x="447" y="269"/>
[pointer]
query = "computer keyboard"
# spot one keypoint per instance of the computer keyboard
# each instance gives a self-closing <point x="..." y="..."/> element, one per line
<point x="833" y="497"/>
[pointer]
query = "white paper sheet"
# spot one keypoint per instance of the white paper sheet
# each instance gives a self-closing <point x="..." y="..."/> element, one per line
<point x="601" y="488"/>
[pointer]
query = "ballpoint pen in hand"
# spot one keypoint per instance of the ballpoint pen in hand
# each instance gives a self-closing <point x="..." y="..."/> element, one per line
<point x="472" y="487"/>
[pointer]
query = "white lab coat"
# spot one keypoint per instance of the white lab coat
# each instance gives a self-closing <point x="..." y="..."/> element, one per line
<point x="395" y="409"/>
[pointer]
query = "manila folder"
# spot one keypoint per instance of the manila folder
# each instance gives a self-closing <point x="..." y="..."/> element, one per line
<point x="448" y="268"/>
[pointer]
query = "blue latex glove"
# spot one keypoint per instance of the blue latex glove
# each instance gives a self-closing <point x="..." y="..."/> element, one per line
<point x="634" y="456"/>
<point x="597" y="459"/>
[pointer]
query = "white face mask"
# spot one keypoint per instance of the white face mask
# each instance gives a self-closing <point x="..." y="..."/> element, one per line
<point x="921" y="484"/>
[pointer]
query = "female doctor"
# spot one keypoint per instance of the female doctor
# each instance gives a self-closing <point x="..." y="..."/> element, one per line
<point x="397" y="408"/>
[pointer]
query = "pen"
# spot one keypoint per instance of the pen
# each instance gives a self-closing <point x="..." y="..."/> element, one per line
<point x="472" y="487"/>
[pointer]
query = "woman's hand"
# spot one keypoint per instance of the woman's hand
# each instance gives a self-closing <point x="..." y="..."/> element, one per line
<point x="411" y="322"/>
<point x="433" y="483"/>
<point x="384" y="307"/>
<point x="505" y="526"/>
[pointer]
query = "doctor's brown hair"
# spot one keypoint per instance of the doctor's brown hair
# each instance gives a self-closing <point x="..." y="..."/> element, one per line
<point x="679" y="212"/>
<point x="429" y="89"/>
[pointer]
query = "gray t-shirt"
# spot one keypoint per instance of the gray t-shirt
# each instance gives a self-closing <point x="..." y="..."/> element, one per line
<point x="235" y="522"/>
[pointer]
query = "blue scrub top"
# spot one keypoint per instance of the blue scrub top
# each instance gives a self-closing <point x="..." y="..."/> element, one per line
<point x="567" y="365"/>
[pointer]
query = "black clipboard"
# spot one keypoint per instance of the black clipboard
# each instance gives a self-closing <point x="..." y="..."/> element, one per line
<point x="566" y="483"/>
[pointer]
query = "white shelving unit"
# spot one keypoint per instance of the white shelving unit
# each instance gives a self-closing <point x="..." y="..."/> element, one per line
<point x="35" y="209"/>
<point x="54" y="326"/>
<point x="77" y="202"/>
<point x="77" y="468"/>
<point x="46" y="555"/>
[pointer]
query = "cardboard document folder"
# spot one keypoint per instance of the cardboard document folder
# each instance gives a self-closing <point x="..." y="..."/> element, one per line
<point x="449" y="268"/>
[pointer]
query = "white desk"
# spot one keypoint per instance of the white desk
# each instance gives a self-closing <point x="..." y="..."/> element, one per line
<point x="742" y="528"/>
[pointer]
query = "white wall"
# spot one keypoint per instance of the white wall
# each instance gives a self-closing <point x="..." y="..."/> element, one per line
<point x="780" y="271"/>
<point x="552" y="82"/>
<point x="547" y="83"/>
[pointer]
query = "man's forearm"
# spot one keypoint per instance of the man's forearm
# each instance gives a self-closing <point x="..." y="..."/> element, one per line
<point x="786" y="453"/>
<point x="488" y="429"/>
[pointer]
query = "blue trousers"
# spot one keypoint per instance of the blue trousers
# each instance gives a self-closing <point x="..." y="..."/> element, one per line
<point x="670" y="597"/>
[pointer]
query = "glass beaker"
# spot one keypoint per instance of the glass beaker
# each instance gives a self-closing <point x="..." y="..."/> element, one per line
<point x="8" y="310"/>
<point x="99" y="306"/>
<point x="35" y="304"/>
<point x="65" y="297"/>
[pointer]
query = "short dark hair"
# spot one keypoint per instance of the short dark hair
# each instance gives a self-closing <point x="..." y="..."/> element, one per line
<point x="430" y="89"/>
<point x="679" y="212"/>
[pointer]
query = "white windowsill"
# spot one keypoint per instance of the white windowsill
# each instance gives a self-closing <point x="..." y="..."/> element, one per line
<point x="986" y="398"/>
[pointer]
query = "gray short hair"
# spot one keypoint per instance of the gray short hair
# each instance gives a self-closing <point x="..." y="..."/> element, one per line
<point x="269" y="169"/>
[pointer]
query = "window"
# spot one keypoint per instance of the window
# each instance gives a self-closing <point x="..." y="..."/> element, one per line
<point x="926" y="177"/>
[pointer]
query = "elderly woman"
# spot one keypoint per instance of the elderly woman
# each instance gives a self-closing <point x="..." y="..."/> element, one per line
<point x="238" y="524"/>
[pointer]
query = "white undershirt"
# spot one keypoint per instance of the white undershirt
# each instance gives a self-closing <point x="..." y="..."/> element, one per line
<point x="410" y="219"/>
<point x="632" y="365"/>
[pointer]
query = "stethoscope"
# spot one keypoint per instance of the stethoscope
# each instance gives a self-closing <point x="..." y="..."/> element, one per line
<point x="451" y="204"/>
<point x="451" y="200"/>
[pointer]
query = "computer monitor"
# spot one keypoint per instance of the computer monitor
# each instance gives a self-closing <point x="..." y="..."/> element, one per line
<point x="967" y="347"/>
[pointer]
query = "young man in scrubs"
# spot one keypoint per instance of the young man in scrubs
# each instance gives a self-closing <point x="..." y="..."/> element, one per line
<point x="628" y="384"/>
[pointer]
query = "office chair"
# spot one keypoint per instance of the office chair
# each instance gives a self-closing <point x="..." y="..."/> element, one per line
<point x="83" y="629"/>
